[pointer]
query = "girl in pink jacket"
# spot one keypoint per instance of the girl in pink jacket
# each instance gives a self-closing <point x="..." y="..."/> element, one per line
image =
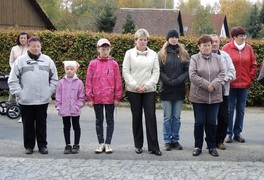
<point x="69" y="101"/>
<point x="103" y="90"/>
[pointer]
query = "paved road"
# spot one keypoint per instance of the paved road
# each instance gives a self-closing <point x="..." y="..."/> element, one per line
<point x="239" y="161"/>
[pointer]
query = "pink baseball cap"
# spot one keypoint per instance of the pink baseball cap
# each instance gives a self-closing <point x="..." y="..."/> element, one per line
<point x="102" y="42"/>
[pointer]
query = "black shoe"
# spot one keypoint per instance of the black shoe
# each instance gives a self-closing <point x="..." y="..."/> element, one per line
<point x="158" y="153"/>
<point x="29" y="151"/>
<point x="197" y="152"/>
<point x="68" y="149"/>
<point x="176" y="146"/>
<point x="213" y="152"/>
<point x="75" y="149"/>
<point x="167" y="146"/>
<point x="239" y="138"/>
<point x="43" y="150"/>
<point x="138" y="150"/>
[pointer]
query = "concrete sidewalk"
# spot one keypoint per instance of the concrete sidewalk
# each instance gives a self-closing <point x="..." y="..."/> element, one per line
<point x="239" y="161"/>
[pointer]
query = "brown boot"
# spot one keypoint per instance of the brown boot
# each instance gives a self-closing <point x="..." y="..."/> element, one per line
<point x="221" y="146"/>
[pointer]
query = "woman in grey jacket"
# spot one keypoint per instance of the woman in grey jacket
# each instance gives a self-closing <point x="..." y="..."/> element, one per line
<point x="206" y="74"/>
<point x="33" y="80"/>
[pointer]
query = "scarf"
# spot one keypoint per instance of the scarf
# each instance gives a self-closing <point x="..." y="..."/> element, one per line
<point x="33" y="56"/>
<point x="240" y="46"/>
<point x="174" y="47"/>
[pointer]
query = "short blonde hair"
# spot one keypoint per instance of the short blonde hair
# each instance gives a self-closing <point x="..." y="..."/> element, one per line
<point x="141" y="32"/>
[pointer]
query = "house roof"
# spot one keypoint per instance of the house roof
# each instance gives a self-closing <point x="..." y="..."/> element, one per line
<point x="25" y="14"/>
<point x="155" y="21"/>
<point x="45" y="18"/>
<point x="218" y="20"/>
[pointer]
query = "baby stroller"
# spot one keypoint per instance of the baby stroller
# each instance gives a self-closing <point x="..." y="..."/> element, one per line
<point x="9" y="108"/>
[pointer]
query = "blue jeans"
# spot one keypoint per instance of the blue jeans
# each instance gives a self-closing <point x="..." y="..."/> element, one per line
<point x="99" y="115"/>
<point x="205" y="117"/>
<point x="171" y="120"/>
<point x="237" y="101"/>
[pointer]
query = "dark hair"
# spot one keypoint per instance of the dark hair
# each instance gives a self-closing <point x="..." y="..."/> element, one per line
<point x="34" y="38"/>
<point x="235" y="31"/>
<point x="22" y="33"/>
<point x="204" y="39"/>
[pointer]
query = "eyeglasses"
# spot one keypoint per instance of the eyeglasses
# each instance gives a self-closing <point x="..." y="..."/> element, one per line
<point x="241" y="36"/>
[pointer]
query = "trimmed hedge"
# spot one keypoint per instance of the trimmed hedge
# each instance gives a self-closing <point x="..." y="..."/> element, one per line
<point x="81" y="46"/>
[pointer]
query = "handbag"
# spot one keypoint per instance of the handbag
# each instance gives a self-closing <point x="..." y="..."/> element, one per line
<point x="260" y="78"/>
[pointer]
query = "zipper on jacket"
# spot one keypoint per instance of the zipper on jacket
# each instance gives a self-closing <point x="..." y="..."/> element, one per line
<point x="209" y="95"/>
<point x="240" y="64"/>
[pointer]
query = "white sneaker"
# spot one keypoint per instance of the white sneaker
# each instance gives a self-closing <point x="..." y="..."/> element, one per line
<point x="108" y="148"/>
<point x="20" y="120"/>
<point x="100" y="148"/>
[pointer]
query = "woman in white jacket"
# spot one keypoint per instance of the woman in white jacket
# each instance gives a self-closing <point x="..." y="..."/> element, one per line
<point x="16" y="51"/>
<point x="19" y="49"/>
<point x="141" y="74"/>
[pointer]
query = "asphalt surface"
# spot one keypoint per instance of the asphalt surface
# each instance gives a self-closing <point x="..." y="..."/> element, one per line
<point x="238" y="161"/>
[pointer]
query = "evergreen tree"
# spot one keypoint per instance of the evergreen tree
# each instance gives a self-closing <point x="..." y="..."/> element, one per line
<point x="105" y="16"/>
<point x="129" y="26"/>
<point x="253" y="24"/>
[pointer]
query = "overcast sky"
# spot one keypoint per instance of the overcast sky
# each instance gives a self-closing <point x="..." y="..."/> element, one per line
<point x="204" y="2"/>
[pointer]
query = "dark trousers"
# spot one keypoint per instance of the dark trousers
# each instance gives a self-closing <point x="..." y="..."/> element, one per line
<point x="146" y="102"/>
<point x="34" y="118"/>
<point x="99" y="115"/>
<point x="222" y="121"/>
<point x="75" y="121"/>
<point x="205" y="116"/>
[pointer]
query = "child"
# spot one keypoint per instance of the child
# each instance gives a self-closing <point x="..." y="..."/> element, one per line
<point x="69" y="101"/>
<point x="103" y="90"/>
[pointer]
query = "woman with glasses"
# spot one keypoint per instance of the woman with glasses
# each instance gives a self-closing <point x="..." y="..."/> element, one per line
<point x="245" y="64"/>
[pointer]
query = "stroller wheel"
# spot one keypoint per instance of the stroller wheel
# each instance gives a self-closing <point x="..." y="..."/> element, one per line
<point x="3" y="108"/>
<point x="13" y="111"/>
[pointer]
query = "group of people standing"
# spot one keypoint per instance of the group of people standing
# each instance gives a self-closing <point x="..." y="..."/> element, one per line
<point x="33" y="79"/>
<point x="219" y="85"/>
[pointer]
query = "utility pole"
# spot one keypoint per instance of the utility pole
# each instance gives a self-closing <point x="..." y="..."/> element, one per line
<point x="165" y="4"/>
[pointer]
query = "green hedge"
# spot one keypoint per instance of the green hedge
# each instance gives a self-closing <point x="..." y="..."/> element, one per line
<point x="81" y="46"/>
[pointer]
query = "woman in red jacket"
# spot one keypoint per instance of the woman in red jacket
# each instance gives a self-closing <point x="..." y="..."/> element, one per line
<point x="246" y="67"/>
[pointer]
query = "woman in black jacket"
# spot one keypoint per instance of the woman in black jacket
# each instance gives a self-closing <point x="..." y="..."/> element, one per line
<point x="174" y="65"/>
